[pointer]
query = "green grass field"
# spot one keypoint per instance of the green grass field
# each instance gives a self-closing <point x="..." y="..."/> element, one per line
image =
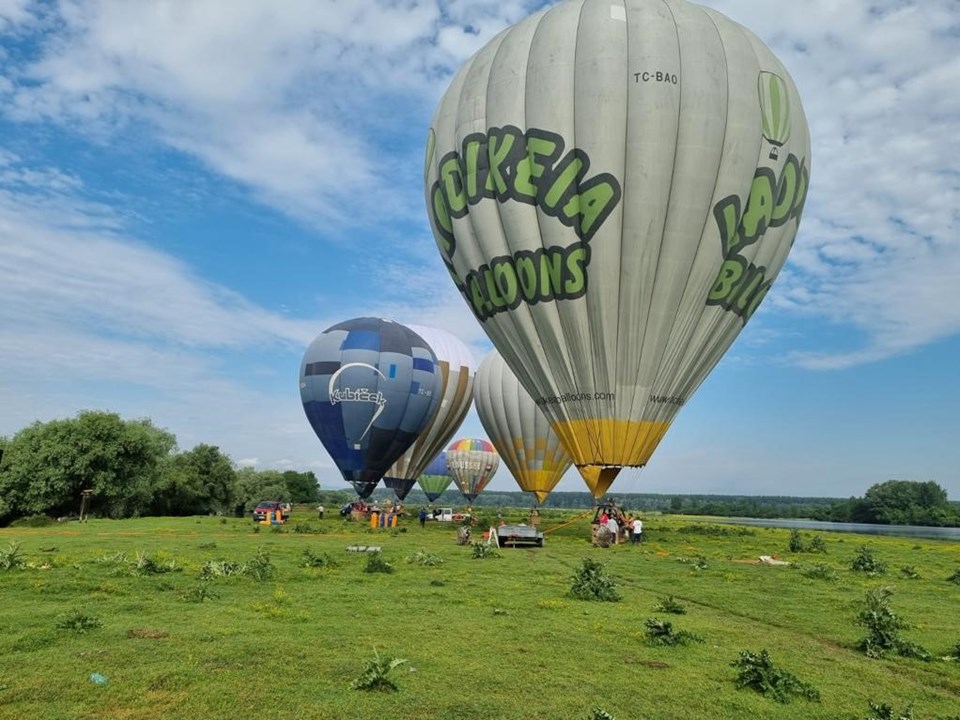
<point x="483" y="638"/>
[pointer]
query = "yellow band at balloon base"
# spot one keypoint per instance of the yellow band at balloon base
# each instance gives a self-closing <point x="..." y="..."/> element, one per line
<point x="600" y="447"/>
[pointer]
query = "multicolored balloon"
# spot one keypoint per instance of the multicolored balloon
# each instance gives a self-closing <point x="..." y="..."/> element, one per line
<point x="436" y="477"/>
<point x="614" y="185"/>
<point x="369" y="387"/>
<point x="472" y="463"/>
<point x="455" y="365"/>
<point x="518" y="428"/>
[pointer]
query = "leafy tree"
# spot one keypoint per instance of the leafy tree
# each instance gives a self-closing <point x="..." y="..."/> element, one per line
<point x="46" y="465"/>
<point x="255" y="485"/>
<point x="196" y="482"/>
<point x="899" y="502"/>
<point x="302" y="486"/>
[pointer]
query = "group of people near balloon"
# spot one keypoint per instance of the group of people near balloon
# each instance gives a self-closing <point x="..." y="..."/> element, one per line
<point x="613" y="188"/>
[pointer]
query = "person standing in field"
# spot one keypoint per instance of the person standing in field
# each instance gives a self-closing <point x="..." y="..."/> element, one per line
<point x="423" y="517"/>
<point x="614" y="528"/>
<point x="637" y="530"/>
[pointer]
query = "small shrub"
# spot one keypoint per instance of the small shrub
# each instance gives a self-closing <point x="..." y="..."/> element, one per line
<point x="78" y="621"/>
<point x="599" y="714"/>
<point x="955" y="578"/>
<point x="219" y="568"/>
<point x="909" y="572"/>
<point x="800" y="544"/>
<point x="278" y="529"/>
<point x="819" y="571"/>
<point x="256" y="528"/>
<point x="376" y="564"/>
<point x="886" y="712"/>
<point x="661" y="632"/>
<point x="260" y="567"/>
<point x="796" y="544"/>
<point x="12" y="557"/>
<point x="199" y="593"/>
<point x="757" y="671"/>
<point x="866" y="562"/>
<point x="374" y="677"/>
<point x="669" y="604"/>
<point x="883" y="626"/>
<point x="437" y="582"/>
<point x="207" y="546"/>
<point x="422" y="557"/>
<point x="817" y="545"/>
<point x="312" y="559"/>
<point x="481" y="551"/>
<point x="700" y="563"/>
<point x="591" y="582"/>
<point x="157" y="565"/>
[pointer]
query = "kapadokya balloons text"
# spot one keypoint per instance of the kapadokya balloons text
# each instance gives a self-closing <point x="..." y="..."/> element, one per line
<point x="369" y="387"/>
<point x="518" y="428"/>
<point x="614" y="186"/>
<point x="472" y="462"/>
<point x="455" y="366"/>
<point x="436" y="477"/>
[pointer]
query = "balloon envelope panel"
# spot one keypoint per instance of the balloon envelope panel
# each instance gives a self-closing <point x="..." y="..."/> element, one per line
<point x="436" y="477"/>
<point x="455" y="366"/>
<point x="368" y="388"/>
<point x="518" y="429"/>
<point x="614" y="186"/>
<point x="472" y="463"/>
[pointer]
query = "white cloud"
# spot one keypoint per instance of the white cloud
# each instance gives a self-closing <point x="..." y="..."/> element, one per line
<point x="296" y="100"/>
<point x="879" y="247"/>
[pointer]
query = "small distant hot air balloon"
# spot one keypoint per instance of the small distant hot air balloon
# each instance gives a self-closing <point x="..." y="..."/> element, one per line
<point x="472" y="463"/>
<point x="436" y="477"/>
<point x="518" y="428"/>
<point x="614" y="185"/>
<point x="455" y="366"/>
<point x="368" y="387"/>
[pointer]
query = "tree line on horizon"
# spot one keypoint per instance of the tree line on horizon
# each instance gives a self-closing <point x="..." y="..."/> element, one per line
<point x="135" y="469"/>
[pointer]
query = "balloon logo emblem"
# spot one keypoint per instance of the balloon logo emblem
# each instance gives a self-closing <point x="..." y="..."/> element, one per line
<point x="358" y="395"/>
<point x="775" y="109"/>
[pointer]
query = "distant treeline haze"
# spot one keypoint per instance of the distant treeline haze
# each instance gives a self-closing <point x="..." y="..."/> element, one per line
<point x="136" y="469"/>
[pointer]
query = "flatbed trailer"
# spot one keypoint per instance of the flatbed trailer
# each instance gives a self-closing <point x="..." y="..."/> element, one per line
<point x="514" y="535"/>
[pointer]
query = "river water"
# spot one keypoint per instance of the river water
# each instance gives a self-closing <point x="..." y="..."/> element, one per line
<point x="938" y="533"/>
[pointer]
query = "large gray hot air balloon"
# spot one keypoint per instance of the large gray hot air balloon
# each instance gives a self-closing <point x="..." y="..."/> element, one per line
<point x="455" y="366"/>
<point x="518" y="428"/>
<point x="614" y="185"/>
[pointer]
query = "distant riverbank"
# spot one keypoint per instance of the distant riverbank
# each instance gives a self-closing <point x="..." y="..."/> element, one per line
<point x="937" y="533"/>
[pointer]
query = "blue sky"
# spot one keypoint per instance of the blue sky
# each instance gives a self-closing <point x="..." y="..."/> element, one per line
<point x="190" y="192"/>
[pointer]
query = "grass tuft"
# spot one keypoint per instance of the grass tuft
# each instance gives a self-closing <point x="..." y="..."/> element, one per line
<point x="78" y="621"/>
<point x="376" y="564"/>
<point x="670" y="605"/>
<point x="661" y="632"/>
<point x="375" y="675"/>
<point x="757" y="672"/>
<point x="12" y="557"/>
<point x="591" y="582"/>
